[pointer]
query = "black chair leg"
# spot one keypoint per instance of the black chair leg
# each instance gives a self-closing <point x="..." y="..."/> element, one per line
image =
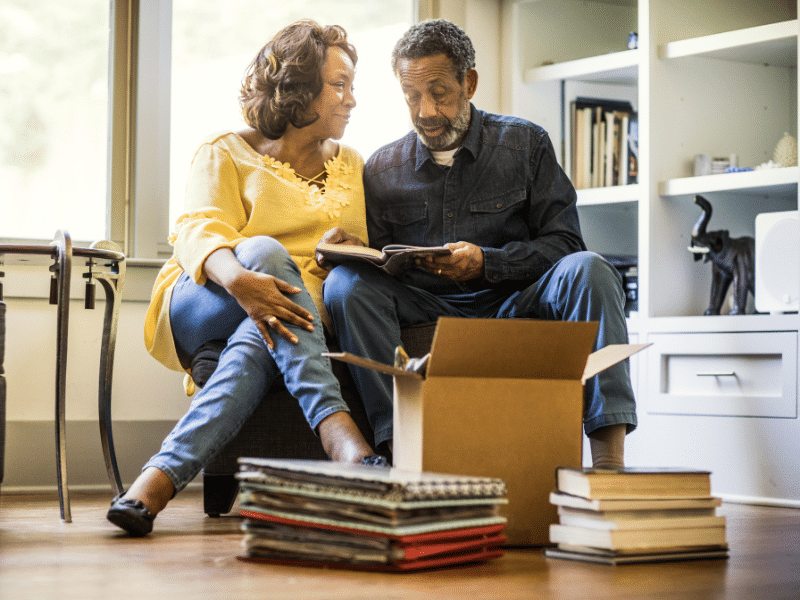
<point x="219" y="494"/>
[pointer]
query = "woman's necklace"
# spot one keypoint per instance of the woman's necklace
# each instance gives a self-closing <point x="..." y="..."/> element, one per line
<point x="316" y="179"/>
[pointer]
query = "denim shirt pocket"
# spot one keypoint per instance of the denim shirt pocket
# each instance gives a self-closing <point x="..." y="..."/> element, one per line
<point x="500" y="218"/>
<point x="407" y="223"/>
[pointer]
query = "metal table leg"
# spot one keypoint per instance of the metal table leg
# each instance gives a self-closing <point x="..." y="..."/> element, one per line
<point x="106" y="263"/>
<point x="112" y="281"/>
<point x="63" y="271"/>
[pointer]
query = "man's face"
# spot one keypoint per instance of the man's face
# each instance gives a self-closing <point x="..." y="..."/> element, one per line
<point x="438" y="103"/>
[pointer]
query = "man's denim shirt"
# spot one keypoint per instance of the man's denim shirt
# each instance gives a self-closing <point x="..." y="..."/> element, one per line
<point x="505" y="193"/>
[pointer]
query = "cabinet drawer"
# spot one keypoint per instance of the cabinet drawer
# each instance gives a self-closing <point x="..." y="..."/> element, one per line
<point x="725" y="374"/>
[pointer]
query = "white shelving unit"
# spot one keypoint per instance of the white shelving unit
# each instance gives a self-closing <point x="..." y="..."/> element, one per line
<point x="767" y="183"/>
<point x="773" y="43"/>
<point x="619" y="67"/>
<point x="717" y="77"/>
<point x="609" y="195"/>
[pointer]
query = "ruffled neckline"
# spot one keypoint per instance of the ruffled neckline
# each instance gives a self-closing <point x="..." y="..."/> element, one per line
<point x="331" y="198"/>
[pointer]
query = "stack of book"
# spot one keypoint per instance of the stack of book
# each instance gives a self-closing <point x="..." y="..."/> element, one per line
<point x="604" y="143"/>
<point x="636" y="515"/>
<point x="321" y="513"/>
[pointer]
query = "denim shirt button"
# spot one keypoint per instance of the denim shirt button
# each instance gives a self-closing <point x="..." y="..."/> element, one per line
<point x="449" y="214"/>
<point x="499" y="205"/>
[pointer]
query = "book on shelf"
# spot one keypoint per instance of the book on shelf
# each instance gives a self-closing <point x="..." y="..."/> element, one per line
<point x="618" y="516"/>
<point x="395" y="259"/>
<point x="600" y="142"/>
<point x="633" y="482"/>
<point x="633" y="148"/>
<point x="323" y="513"/>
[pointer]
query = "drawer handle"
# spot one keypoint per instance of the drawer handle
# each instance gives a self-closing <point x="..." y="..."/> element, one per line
<point x="713" y="374"/>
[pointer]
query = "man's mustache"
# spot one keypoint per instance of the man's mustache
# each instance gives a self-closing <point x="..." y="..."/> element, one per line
<point x="432" y="122"/>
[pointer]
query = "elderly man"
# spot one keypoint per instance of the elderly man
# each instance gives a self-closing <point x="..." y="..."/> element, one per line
<point x="489" y="187"/>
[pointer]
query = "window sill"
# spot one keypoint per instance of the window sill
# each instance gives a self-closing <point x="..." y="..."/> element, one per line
<point x="25" y="282"/>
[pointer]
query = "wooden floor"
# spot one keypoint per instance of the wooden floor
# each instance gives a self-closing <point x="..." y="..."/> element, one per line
<point x="192" y="556"/>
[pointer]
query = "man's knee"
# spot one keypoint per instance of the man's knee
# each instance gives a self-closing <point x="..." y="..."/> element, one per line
<point x="351" y="284"/>
<point x="336" y="286"/>
<point x="591" y="270"/>
<point x="339" y="286"/>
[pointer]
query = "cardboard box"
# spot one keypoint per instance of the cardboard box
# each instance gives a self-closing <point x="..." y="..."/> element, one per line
<point x="500" y="398"/>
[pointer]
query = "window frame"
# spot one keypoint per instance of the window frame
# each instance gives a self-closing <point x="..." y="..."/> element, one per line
<point x="138" y="158"/>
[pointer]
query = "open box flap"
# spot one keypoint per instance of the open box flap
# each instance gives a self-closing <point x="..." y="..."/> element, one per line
<point x="370" y="364"/>
<point x="610" y="355"/>
<point x="511" y="348"/>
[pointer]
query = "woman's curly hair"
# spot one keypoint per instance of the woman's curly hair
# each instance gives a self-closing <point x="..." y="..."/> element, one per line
<point x="436" y="36"/>
<point x="285" y="77"/>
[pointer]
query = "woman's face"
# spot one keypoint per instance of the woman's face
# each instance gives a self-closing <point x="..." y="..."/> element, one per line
<point x="334" y="103"/>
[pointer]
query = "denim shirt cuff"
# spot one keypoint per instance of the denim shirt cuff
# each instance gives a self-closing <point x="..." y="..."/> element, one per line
<point x="493" y="262"/>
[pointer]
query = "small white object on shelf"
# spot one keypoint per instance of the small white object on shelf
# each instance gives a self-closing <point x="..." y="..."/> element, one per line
<point x="785" y="153"/>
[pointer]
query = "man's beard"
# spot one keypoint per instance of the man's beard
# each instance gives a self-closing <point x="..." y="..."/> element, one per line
<point x="452" y="131"/>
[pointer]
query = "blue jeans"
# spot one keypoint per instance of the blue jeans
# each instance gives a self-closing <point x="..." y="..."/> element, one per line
<point x="369" y="307"/>
<point x="247" y="368"/>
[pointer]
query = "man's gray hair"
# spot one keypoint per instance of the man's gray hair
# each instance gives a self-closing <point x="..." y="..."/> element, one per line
<point x="436" y="36"/>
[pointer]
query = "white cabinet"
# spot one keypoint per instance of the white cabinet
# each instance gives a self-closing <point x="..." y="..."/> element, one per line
<point x="724" y="374"/>
<point x="716" y="77"/>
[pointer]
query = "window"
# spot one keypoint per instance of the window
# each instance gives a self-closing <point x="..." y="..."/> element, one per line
<point x="53" y="118"/>
<point x="73" y="156"/>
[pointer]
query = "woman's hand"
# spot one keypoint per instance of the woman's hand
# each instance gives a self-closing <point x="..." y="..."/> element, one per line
<point x="260" y="295"/>
<point x="337" y="235"/>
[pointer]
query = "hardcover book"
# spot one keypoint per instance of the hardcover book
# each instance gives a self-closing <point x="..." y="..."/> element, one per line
<point x="631" y="540"/>
<point x="395" y="259"/>
<point x="633" y="483"/>
<point x="633" y="504"/>
<point x="611" y="557"/>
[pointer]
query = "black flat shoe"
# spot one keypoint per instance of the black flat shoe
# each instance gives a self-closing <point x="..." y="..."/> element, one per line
<point x="131" y="515"/>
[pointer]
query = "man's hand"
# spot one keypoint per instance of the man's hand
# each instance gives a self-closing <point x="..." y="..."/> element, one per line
<point x="464" y="264"/>
<point x="337" y="235"/>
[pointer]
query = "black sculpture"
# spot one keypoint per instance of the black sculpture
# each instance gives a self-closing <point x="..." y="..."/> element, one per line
<point x="731" y="261"/>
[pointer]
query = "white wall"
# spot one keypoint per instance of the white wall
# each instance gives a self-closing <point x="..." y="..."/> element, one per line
<point x="480" y="19"/>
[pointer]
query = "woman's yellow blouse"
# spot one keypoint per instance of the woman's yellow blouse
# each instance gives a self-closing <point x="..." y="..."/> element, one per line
<point x="233" y="194"/>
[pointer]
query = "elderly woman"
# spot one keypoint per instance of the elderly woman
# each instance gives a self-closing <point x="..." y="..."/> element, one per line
<point x="243" y="269"/>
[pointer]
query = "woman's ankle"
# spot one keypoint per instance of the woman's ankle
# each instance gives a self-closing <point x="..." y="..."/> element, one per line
<point x="153" y="488"/>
